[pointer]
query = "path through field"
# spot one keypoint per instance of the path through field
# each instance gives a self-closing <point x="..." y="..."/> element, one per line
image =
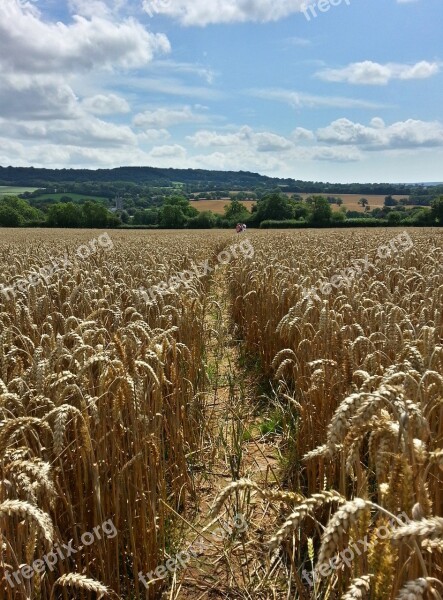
<point x="233" y="449"/>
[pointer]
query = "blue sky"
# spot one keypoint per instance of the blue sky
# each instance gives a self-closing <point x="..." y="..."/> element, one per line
<point x="330" y="90"/>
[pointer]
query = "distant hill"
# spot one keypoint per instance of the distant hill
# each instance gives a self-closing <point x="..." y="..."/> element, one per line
<point x="30" y="176"/>
<point x="193" y="179"/>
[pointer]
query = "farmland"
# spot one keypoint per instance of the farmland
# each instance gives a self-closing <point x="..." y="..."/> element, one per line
<point x="200" y="413"/>
<point x="350" y="202"/>
<point x="217" y="206"/>
<point x="14" y="191"/>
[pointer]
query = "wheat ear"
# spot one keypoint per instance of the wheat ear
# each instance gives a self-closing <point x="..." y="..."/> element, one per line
<point x="338" y="525"/>
<point x="430" y="529"/>
<point x="300" y="512"/>
<point x="80" y="581"/>
<point x="358" y="589"/>
<point x="25" y="509"/>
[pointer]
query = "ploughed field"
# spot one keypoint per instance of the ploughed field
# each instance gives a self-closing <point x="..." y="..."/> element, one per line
<point x="108" y="456"/>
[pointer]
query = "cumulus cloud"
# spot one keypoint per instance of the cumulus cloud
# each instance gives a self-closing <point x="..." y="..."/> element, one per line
<point x="372" y="73"/>
<point x="246" y="145"/>
<point x="261" y="141"/>
<point x="83" y="132"/>
<point x="300" y="134"/>
<point x="106" y="104"/>
<point x="32" y="97"/>
<point x="28" y="44"/>
<point x="43" y="63"/>
<point x="162" y="118"/>
<point x="173" y="151"/>
<point x="408" y="134"/>
<point x="202" y="12"/>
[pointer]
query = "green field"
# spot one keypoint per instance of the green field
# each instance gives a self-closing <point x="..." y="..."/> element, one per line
<point x="75" y="197"/>
<point x="15" y="191"/>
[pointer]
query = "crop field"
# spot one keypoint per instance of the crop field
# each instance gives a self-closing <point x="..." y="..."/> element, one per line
<point x="201" y="415"/>
<point x="350" y="202"/>
<point x="14" y="191"/>
<point x="217" y="206"/>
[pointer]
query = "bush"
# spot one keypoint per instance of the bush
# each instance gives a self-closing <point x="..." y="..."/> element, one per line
<point x="394" y="218"/>
<point x="338" y="217"/>
<point x="9" y="217"/>
<point x="205" y="220"/>
<point x="12" y="207"/>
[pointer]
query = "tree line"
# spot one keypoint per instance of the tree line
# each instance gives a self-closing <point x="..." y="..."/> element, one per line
<point x="274" y="209"/>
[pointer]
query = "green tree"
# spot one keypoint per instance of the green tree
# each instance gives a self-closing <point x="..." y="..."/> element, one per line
<point x="300" y="210"/>
<point x="9" y="217"/>
<point x="149" y="216"/>
<point x="97" y="215"/>
<point x="172" y="216"/>
<point x="27" y="214"/>
<point x="183" y="204"/>
<point x="65" y="215"/>
<point x="363" y="202"/>
<point x="390" y="201"/>
<point x="321" y="211"/>
<point x="437" y="210"/>
<point x="338" y="217"/>
<point x="236" y="212"/>
<point x="204" y="220"/>
<point x="275" y="206"/>
<point x="124" y="216"/>
<point x="394" y="218"/>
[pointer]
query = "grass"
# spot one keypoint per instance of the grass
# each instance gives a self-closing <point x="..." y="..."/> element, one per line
<point x="15" y="191"/>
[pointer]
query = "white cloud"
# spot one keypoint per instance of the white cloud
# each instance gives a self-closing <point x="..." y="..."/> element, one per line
<point x="98" y="8"/>
<point x="372" y="73"/>
<point x="261" y="142"/>
<point x="245" y="146"/>
<point x="106" y="104"/>
<point x="300" y="134"/>
<point x="173" y="151"/>
<point x="202" y="12"/>
<point x="29" y="45"/>
<point x="408" y="134"/>
<point x="302" y="100"/>
<point x="162" y="118"/>
<point x="150" y="136"/>
<point x="32" y="97"/>
<point x="84" y="131"/>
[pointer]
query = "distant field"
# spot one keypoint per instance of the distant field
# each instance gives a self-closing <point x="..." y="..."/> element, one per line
<point x="14" y="191"/>
<point x="59" y="196"/>
<point x="217" y="206"/>
<point x="350" y="202"/>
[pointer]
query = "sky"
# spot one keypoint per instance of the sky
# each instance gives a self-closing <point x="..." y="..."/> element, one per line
<point x="322" y="90"/>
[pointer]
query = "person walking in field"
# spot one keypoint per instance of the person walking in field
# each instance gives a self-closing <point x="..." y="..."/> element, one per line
<point x="238" y="229"/>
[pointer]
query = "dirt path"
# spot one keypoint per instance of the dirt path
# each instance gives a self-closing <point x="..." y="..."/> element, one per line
<point x="223" y="565"/>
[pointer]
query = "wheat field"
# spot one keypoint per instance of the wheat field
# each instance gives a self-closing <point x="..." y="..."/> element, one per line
<point x="295" y="379"/>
